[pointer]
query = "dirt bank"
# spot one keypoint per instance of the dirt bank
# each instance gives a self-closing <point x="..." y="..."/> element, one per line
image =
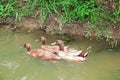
<point x="53" y="25"/>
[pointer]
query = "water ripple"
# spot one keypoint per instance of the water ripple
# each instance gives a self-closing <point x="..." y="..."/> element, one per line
<point x="24" y="78"/>
<point x="11" y="65"/>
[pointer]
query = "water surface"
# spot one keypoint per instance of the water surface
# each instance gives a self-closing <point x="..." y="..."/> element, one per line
<point x="15" y="64"/>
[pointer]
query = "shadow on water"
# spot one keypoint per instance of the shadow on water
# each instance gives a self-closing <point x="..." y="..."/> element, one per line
<point x="15" y="64"/>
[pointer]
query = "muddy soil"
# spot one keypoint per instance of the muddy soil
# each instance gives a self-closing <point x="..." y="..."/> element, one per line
<point x="53" y="25"/>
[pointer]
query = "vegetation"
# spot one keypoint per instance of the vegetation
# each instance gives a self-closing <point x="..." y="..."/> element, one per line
<point x="97" y="14"/>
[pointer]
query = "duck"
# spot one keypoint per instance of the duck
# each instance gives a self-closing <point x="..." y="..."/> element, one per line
<point x="40" y="53"/>
<point x="49" y="48"/>
<point x="70" y="54"/>
<point x="33" y="52"/>
<point x="62" y="46"/>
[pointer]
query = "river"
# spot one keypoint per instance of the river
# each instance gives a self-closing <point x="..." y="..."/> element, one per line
<point x="15" y="64"/>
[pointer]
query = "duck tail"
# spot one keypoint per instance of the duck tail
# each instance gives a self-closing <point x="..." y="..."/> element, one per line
<point x="86" y="54"/>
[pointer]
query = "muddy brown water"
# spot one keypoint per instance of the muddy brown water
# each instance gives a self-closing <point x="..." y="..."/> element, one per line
<point x="15" y="64"/>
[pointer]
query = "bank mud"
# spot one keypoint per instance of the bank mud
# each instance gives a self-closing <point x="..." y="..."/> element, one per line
<point x="54" y="25"/>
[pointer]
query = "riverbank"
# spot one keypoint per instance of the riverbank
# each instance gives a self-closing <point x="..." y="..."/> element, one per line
<point x="53" y="25"/>
<point x="99" y="19"/>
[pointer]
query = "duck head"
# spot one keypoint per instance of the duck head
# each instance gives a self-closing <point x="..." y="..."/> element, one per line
<point x="27" y="46"/>
<point x="43" y="40"/>
<point x="60" y="43"/>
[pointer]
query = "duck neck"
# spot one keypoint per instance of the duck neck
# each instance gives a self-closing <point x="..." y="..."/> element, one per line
<point x="43" y="43"/>
<point x="61" y="47"/>
<point x="28" y="49"/>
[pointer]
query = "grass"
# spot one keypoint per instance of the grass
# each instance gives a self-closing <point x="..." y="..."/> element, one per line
<point x="91" y="12"/>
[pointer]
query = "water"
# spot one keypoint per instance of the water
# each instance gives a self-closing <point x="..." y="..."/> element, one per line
<point x="15" y="64"/>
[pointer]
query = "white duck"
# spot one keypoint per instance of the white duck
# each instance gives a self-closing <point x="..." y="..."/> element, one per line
<point x="68" y="53"/>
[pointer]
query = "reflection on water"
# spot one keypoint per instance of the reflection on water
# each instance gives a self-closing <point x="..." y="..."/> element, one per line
<point x="15" y="64"/>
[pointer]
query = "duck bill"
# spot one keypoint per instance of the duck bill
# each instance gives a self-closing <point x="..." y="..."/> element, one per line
<point x="53" y="43"/>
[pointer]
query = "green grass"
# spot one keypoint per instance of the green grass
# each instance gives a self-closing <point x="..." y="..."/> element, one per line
<point x="91" y="12"/>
